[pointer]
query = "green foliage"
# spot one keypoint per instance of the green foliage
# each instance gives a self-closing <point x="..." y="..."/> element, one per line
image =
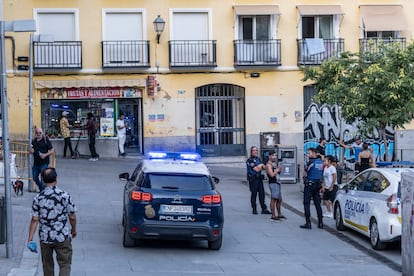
<point x="375" y="88"/>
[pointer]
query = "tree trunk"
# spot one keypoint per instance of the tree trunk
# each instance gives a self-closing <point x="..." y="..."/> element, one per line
<point x="384" y="138"/>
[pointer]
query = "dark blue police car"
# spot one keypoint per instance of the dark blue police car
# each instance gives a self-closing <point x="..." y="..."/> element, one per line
<point x="172" y="196"/>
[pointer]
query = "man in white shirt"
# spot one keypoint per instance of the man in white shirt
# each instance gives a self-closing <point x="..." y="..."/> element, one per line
<point x="121" y="133"/>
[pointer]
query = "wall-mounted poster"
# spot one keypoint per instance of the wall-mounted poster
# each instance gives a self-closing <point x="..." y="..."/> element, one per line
<point x="107" y="127"/>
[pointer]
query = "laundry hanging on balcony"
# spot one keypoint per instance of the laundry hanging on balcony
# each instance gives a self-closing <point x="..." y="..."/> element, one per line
<point x="315" y="46"/>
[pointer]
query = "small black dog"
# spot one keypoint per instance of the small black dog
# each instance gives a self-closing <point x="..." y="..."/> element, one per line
<point x="18" y="187"/>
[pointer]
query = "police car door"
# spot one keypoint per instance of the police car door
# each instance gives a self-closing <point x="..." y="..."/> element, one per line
<point x="353" y="202"/>
<point x="370" y="198"/>
<point x="351" y="198"/>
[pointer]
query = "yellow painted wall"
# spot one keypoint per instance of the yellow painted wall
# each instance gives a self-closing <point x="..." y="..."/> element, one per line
<point x="276" y="93"/>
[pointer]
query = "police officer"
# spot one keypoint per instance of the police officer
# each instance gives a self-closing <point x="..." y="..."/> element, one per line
<point x="313" y="184"/>
<point x="254" y="176"/>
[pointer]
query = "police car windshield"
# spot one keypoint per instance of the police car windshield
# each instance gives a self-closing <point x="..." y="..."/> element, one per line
<point x="184" y="182"/>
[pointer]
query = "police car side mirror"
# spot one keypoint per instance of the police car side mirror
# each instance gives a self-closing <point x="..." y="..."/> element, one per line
<point x="124" y="176"/>
<point x="215" y="179"/>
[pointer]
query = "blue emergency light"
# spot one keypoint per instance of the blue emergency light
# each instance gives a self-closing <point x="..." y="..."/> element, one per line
<point x="189" y="156"/>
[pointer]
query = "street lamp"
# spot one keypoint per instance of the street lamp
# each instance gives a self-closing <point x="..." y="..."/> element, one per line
<point x="8" y="26"/>
<point x="159" y="25"/>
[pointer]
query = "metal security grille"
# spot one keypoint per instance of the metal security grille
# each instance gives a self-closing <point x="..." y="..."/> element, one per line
<point x="220" y="123"/>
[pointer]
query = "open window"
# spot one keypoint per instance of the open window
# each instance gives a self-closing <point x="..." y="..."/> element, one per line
<point x="318" y="33"/>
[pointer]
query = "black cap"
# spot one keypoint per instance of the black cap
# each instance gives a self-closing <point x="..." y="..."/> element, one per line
<point x="334" y="159"/>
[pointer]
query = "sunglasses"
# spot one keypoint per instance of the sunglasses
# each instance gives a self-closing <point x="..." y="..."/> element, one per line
<point x="38" y="133"/>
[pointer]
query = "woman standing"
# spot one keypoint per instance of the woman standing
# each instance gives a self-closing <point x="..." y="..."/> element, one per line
<point x="65" y="131"/>
<point x="365" y="158"/>
<point x="273" y="172"/>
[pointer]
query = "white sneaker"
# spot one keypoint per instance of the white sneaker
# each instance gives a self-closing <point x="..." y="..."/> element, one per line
<point x="91" y="159"/>
<point x="329" y="215"/>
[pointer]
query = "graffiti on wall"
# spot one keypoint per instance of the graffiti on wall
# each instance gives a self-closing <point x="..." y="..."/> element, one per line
<point x="325" y="121"/>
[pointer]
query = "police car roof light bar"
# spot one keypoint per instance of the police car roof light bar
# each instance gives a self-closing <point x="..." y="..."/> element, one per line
<point x="189" y="156"/>
<point x="156" y="155"/>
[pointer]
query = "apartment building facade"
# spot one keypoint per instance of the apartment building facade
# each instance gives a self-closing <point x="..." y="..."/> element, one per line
<point x="218" y="75"/>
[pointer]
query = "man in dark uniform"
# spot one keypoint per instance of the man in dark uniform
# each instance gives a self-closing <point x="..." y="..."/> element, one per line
<point x="254" y="176"/>
<point x="313" y="184"/>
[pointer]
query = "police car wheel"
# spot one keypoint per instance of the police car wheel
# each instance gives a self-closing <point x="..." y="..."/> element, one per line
<point x="374" y="236"/>
<point x="128" y="241"/>
<point x="215" y="245"/>
<point x="339" y="223"/>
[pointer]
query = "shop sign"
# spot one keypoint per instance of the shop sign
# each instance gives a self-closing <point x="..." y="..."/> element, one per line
<point x="91" y="93"/>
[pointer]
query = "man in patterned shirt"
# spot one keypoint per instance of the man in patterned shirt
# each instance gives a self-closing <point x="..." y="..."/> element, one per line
<point x="54" y="209"/>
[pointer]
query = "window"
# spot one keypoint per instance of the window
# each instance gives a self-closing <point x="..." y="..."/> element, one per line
<point x="56" y="43"/>
<point x="124" y="46"/>
<point x="385" y="35"/>
<point x="318" y="33"/>
<point x="191" y="38"/>
<point x="177" y="182"/>
<point x="78" y="109"/>
<point x="58" y="24"/>
<point x="317" y="27"/>
<point x="255" y="35"/>
<point x="358" y="182"/>
<point x="382" y="21"/>
<point x="319" y="21"/>
<point x="255" y="27"/>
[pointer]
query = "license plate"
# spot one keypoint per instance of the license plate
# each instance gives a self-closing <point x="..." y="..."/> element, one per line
<point x="176" y="209"/>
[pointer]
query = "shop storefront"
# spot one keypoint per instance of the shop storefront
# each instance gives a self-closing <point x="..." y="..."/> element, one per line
<point x="105" y="103"/>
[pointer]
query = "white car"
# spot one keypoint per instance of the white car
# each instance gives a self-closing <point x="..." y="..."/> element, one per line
<point x="370" y="204"/>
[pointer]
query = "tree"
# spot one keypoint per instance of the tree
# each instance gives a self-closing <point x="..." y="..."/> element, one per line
<point x="374" y="88"/>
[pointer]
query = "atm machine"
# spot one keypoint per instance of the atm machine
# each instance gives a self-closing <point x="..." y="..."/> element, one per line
<point x="287" y="159"/>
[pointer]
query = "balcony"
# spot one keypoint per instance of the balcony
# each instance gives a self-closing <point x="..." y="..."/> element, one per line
<point x="371" y="44"/>
<point x="192" y="53"/>
<point x="57" y="55"/>
<point x="257" y="53"/>
<point x="307" y="55"/>
<point x="126" y="54"/>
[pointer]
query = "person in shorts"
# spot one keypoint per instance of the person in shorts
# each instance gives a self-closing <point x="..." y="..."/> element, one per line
<point x="328" y="184"/>
<point x="273" y="172"/>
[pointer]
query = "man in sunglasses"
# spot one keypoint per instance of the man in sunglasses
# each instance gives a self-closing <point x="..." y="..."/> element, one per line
<point x="41" y="149"/>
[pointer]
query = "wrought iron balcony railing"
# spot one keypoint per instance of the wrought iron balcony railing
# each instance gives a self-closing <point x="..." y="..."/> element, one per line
<point x="192" y="53"/>
<point x="371" y="44"/>
<point x="57" y="55"/>
<point x="310" y="52"/>
<point x="126" y="54"/>
<point x="257" y="52"/>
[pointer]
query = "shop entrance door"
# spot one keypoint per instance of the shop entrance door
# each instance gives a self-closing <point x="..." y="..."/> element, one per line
<point x="132" y="108"/>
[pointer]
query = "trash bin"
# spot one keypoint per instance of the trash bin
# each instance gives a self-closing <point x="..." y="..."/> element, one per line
<point x="2" y="220"/>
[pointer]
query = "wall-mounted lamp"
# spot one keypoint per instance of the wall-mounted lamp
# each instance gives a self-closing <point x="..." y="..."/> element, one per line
<point x="159" y="25"/>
